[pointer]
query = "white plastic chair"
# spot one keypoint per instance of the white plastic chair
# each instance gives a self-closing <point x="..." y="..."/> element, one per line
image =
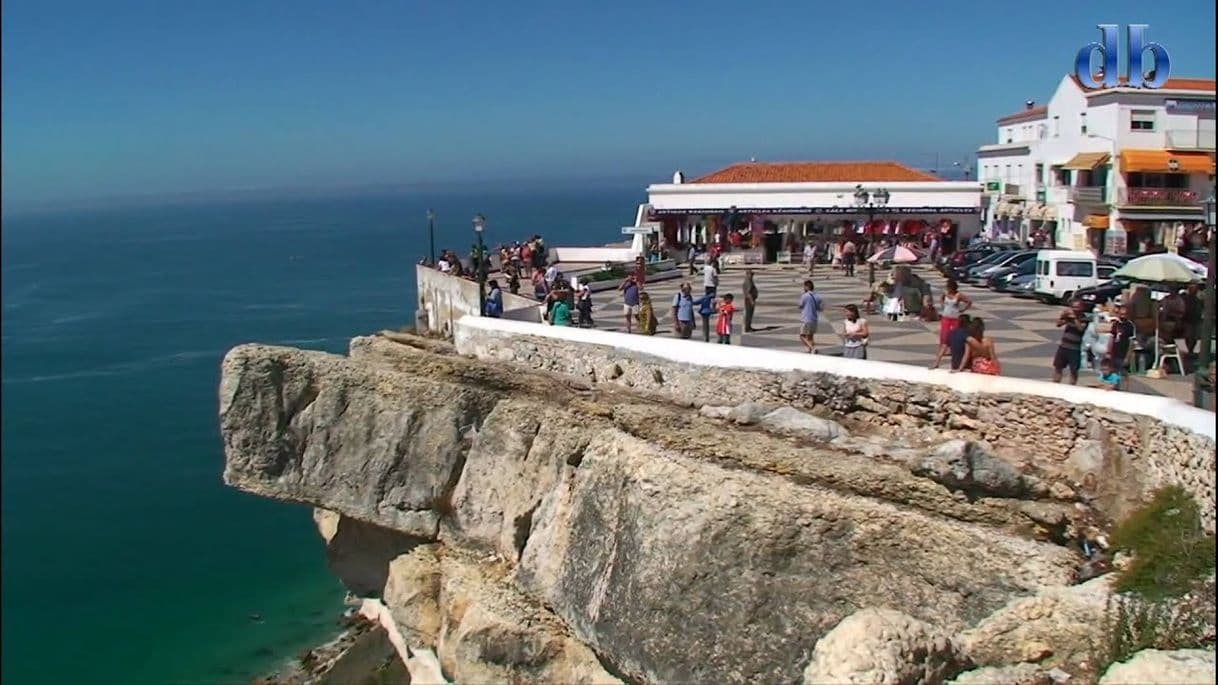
<point x="1169" y="351"/>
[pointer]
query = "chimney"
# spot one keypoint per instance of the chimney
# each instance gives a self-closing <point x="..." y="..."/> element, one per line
<point x="1029" y="104"/>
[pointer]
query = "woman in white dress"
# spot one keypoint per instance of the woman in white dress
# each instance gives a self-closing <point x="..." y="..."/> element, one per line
<point x="854" y="334"/>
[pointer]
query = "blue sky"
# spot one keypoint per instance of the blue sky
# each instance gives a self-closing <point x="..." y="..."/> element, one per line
<point x="143" y="98"/>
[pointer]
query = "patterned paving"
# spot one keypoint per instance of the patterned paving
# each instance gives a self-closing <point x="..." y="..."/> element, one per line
<point x="1023" y="330"/>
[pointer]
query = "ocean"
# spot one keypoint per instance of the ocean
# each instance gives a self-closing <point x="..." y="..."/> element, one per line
<point x="126" y="559"/>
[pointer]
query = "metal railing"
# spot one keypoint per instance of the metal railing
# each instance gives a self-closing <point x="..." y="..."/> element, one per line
<point x="1189" y="139"/>
<point x="1158" y="197"/>
<point x="1089" y="195"/>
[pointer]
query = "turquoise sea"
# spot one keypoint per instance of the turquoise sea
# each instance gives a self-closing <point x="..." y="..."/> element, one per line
<point x="125" y="559"/>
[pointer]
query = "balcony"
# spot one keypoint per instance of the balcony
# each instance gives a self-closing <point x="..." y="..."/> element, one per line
<point x="1089" y="195"/>
<point x="1189" y="139"/>
<point x="1158" y="197"/>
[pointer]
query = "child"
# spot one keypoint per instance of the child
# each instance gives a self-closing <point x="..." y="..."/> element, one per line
<point x="1109" y="378"/>
<point x="647" y="316"/>
<point x="723" y="327"/>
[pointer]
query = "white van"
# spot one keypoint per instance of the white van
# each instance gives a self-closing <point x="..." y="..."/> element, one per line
<point x="1061" y="273"/>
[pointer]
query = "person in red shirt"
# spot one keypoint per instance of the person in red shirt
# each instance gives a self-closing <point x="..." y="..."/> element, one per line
<point x="723" y="326"/>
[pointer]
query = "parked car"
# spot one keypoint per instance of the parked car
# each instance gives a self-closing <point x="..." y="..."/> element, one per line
<point x="1110" y="288"/>
<point x="965" y="272"/>
<point x="1001" y="279"/>
<point x="1005" y="259"/>
<point x="1023" y="286"/>
<point x="972" y="254"/>
<point x="1061" y="273"/>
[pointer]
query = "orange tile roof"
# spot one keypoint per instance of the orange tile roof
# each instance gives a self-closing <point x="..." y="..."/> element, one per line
<point x="1025" y="115"/>
<point x="811" y="172"/>
<point x="1201" y="85"/>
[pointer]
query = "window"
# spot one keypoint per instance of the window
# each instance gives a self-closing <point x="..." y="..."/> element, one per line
<point x="1057" y="126"/>
<point x="1061" y="177"/>
<point x="1105" y="271"/>
<point x="1007" y="176"/>
<point x="1138" y="179"/>
<point x="1142" y="120"/>
<point x="1076" y="269"/>
<point x="1040" y="174"/>
<point x="1082" y="123"/>
<point x="1042" y="131"/>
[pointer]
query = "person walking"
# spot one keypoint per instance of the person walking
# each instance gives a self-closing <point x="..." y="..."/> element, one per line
<point x="630" y="301"/>
<point x="691" y="254"/>
<point x="810" y="257"/>
<point x="583" y="305"/>
<point x="855" y="334"/>
<point x="560" y="311"/>
<point x="647" y="315"/>
<point x="750" y="300"/>
<point x="849" y="252"/>
<point x="810" y="307"/>
<point x="723" y="326"/>
<point x="710" y="276"/>
<point x="952" y="304"/>
<point x="683" y="312"/>
<point x="1120" y="340"/>
<point x="1070" y="350"/>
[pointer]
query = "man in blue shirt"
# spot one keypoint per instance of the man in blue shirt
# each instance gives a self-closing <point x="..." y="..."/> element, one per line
<point x="683" y="312"/>
<point x="810" y="307"/>
<point x="630" y="300"/>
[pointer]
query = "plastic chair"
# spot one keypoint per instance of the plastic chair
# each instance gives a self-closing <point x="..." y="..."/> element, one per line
<point x="1169" y="351"/>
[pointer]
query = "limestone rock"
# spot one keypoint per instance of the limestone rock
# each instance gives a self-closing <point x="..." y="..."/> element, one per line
<point x="491" y="634"/>
<point x="1019" y="674"/>
<point x="1156" y="667"/>
<point x="883" y="647"/>
<point x="1054" y="627"/>
<point x="747" y="413"/>
<point x="969" y="467"/>
<point x="412" y="593"/>
<point x="711" y="411"/>
<point x="794" y="422"/>
<point x="359" y="553"/>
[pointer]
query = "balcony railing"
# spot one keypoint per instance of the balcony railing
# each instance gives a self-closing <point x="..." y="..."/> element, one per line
<point x="1189" y="139"/>
<point x="1158" y="197"/>
<point x="1088" y="195"/>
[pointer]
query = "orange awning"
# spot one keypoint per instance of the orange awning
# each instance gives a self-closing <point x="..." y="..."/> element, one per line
<point x="1096" y="221"/>
<point x="1167" y="161"/>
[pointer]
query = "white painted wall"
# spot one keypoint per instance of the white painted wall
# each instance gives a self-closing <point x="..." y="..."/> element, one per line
<point x="443" y="299"/>
<point x="591" y="255"/>
<point x="697" y="354"/>
<point x="745" y="196"/>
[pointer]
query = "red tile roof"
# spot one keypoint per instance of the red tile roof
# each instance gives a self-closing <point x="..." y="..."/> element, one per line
<point x="809" y="172"/>
<point x="1025" y="115"/>
<point x="1201" y="85"/>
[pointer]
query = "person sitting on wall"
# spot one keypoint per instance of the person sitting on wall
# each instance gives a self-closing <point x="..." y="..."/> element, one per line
<point x="494" y="300"/>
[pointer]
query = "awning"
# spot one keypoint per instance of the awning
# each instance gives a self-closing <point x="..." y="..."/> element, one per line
<point x="1050" y="213"/>
<point x="1086" y="161"/>
<point x="1035" y="212"/>
<point x="1157" y="214"/>
<point x="1096" y="221"/>
<point x="1167" y="162"/>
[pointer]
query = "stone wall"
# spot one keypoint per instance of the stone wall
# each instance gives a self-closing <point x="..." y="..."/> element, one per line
<point x="1093" y="436"/>
<point x="443" y="299"/>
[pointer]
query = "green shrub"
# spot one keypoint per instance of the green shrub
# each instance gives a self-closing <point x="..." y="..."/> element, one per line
<point x="1132" y="624"/>
<point x="1170" y="548"/>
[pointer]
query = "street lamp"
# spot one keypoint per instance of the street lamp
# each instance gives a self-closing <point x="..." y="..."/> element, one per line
<point x="1201" y="379"/>
<point x="479" y="227"/>
<point x="431" y="235"/>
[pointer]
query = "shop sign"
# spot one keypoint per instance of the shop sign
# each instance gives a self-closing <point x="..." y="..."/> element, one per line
<point x="876" y="211"/>
<point x="1176" y="106"/>
<point x="993" y="186"/>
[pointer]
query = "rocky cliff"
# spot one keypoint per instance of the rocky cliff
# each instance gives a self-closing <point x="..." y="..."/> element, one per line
<point x="533" y="527"/>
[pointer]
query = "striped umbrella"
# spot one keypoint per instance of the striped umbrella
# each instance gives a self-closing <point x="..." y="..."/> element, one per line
<point x="896" y="255"/>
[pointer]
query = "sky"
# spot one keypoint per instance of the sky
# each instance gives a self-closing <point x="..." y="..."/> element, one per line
<point x="125" y="98"/>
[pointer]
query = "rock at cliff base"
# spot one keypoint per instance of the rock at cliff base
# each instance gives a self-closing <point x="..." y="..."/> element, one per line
<point x="1019" y="674"/>
<point x="1054" y="627"/>
<point x="748" y="413"/>
<point x="791" y="421"/>
<point x="712" y="411"/>
<point x="883" y="647"/>
<point x="412" y="593"/>
<point x="1156" y="667"/>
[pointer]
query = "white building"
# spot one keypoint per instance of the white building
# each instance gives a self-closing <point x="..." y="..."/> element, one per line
<point x="781" y="204"/>
<point x="1105" y="168"/>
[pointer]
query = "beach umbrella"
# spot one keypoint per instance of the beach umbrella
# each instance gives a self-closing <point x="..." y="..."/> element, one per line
<point x="896" y="255"/>
<point x="1162" y="268"/>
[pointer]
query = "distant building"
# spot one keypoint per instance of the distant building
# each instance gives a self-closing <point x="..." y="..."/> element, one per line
<point x="781" y="204"/>
<point x="1105" y="169"/>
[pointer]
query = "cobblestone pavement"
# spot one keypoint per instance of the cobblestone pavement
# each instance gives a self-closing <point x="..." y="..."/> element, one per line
<point x="1023" y="329"/>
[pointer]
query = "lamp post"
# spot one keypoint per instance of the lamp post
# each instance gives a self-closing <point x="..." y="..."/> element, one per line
<point x="479" y="227"/>
<point x="1201" y="374"/>
<point x="431" y="235"/>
